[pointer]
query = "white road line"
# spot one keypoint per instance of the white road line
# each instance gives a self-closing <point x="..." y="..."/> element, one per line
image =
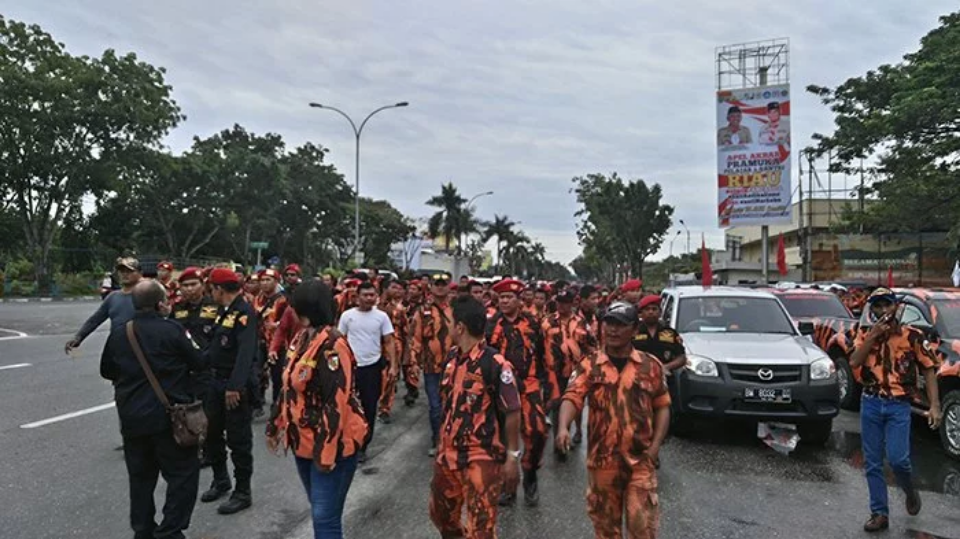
<point x="16" y="334"/>
<point x="16" y="366"/>
<point x="71" y="415"/>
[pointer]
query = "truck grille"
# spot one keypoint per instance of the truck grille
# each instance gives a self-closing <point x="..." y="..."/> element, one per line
<point x="751" y="373"/>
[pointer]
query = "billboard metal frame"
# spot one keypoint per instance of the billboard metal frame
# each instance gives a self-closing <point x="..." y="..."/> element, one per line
<point x="753" y="64"/>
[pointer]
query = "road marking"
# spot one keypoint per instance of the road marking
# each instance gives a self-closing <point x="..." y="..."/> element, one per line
<point x="16" y="334"/>
<point x="71" y="415"/>
<point x="16" y="366"/>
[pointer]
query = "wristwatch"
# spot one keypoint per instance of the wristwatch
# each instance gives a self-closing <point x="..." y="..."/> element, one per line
<point x="515" y="454"/>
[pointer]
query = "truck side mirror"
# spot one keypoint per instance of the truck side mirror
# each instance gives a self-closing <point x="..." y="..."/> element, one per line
<point x="806" y="328"/>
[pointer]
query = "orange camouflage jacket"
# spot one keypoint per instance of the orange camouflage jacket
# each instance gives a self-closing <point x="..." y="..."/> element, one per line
<point x="520" y="341"/>
<point x="319" y="416"/>
<point x="431" y="336"/>
<point x="622" y="406"/>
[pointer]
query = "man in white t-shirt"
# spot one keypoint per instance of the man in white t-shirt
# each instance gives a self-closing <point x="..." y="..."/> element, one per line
<point x="370" y="334"/>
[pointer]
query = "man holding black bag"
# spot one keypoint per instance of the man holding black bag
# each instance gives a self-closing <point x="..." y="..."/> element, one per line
<point x="150" y="447"/>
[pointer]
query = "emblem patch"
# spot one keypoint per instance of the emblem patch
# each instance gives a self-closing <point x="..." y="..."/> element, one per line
<point x="224" y="341"/>
<point x="182" y="314"/>
<point x="506" y="376"/>
<point x="333" y="362"/>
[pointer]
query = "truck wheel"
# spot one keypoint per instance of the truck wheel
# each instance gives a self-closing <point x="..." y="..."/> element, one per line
<point x="950" y="426"/>
<point x="849" y="388"/>
<point x="815" y="433"/>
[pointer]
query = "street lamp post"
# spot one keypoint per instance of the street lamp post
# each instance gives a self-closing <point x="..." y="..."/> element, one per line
<point x="467" y="208"/>
<point x="677" y="235"/>
<point x="357" y="132"/>
<point x="684" y="225"/>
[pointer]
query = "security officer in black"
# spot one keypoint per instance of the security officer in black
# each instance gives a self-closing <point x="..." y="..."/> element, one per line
<point x="659" y="339"/>
<point x="149" y="448"/>
<point x="193" y="310"/>
<point x="230" y="355"/>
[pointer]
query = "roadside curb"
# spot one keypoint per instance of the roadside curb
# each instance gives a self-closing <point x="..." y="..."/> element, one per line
<point x="47" y="300"/>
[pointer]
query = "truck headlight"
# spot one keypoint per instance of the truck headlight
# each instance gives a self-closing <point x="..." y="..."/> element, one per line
<point x="701" y="366"/>
<point x="822" y="369"/>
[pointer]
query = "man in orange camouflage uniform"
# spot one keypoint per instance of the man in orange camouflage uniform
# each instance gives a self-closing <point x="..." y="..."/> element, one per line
<point x="347" y="299"/>
<point x="480" y="433"/>
<point x="564" y="339"/>
<point x="431" y="336"/>
<point x="251" y="288"/>
<point x="165" y="276"/>
<point x="518" y="337"/>
<point x="397" y="311"/>
<point x="269" y="306"/>
<point x="410" y="364"/>
<point x="886" y="360"/>
<point x="627" y="422"/>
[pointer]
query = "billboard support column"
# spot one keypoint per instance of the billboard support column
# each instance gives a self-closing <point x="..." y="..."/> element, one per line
<point x="765" y="229"/>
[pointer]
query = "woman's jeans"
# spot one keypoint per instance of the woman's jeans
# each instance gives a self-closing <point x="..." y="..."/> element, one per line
<point x="327" y="492"/>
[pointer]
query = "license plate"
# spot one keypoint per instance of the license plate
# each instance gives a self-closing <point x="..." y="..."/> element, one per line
<point x="767" y="394"/>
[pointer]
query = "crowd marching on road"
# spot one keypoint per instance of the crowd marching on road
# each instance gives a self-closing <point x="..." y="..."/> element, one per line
<point x="500" y="365"/>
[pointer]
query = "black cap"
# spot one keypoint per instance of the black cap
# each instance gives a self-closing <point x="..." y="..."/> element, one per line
<point x="621" y="312"/>
<point x="566" y="297"/>
<point x="773" y="105"/>
<point x="733" y="109"/>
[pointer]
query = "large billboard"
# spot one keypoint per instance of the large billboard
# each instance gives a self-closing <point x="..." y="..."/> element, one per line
<point x="753" y="156"/>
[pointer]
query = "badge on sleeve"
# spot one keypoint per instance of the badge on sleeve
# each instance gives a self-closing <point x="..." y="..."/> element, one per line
<point x="506" y="376"/>
<point x="333" y="360"/>
<point x="927" y="345"/>
<point x="243" y="320"/>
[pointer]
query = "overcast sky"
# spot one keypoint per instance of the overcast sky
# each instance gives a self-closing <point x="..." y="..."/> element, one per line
<point x="515" y="97"/>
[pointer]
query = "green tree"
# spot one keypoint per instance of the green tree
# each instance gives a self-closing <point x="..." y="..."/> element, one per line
<point x="449" y="220"/>
<point x="382" y="226"/>
<point x="68" y="124"/>
<point x="623" y="222"/>
<point x="501" y="228"/>
<point x="903" y="121"/>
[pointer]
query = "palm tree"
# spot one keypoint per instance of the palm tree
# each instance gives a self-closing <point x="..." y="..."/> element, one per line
<point x="502" y="228"/>
<point x="449" y="220"/>
<point x="516" y="249"/>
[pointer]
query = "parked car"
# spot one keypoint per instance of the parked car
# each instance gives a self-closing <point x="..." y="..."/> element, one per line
<point x="829" y="317"/>
<point x="746" y="359"/>
<point x="936" y="312"/>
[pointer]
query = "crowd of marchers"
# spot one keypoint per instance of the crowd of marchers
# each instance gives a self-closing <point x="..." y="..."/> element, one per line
<point x="500" y="364"/>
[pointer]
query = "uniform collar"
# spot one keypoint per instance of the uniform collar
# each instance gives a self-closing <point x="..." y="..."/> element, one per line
<point x="602" y="357"/>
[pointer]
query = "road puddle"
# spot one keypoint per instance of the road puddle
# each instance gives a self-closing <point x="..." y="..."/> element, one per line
<point x="933" y="470"/>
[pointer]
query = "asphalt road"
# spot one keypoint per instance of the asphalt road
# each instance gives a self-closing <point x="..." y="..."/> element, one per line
<point x="65" y="478"/>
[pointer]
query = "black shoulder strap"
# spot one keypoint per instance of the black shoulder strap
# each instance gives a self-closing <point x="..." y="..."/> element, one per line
<point x="487" y="367"/>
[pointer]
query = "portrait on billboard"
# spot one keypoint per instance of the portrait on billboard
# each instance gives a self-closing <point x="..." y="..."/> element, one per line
<point x="776" y="131"/>
<point x="734" y="133"/>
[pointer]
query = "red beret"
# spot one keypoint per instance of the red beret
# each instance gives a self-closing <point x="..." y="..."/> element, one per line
<point x="293" y="268"/>
<point x="270" y="272"/>
<point x="165" y="265"/>
<point x="224" y="276"/>
<point x="253" y="277"/>
<point x="206" y="272"/>
<point x="192" y="272"/>
<point x="454" y="286"/>
<point x="509" y="285"/>
<point x="350" y="283"/>
<point x="649" y="300"/>
<point x="632" y="285"/>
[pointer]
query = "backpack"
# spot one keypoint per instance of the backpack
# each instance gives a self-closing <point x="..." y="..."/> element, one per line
<point x="490" y="383"/>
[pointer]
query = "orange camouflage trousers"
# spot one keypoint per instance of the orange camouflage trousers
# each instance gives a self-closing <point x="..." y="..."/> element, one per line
<point x="477" y="487"/>
<point x="533" y="425"/>
<point x="622" y="491"/>
<point x="388" y="392"/>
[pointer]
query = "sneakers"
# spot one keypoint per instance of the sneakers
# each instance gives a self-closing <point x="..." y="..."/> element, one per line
<point x="913" y="502"/>
<point x="507" y="499"/>
<point x="877" y="523"/>
<point x="578" y="438"/>
<point x="362" y="456"/>
<point x="432" y="452"/>
<point x="385" y="418"/>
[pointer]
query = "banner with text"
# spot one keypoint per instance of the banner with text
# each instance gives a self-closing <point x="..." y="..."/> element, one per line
<point x="753" y="156"/>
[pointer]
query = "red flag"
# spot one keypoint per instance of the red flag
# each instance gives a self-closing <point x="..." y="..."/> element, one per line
<point x="782" y="256"/>
<point x="889" y="276"/>
<point x="707" y="271"/>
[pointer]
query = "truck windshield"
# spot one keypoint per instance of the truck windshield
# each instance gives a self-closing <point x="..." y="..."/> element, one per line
<point x="814" y="306"/>
<point x="733" y="315"/>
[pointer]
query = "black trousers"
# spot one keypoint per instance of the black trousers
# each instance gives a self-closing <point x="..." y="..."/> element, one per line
<point x="147" y="458"/>
<point x="369" y="387"/>
<point x="233" y="429"/>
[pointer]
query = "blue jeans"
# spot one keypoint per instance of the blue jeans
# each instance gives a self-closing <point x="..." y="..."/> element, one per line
<point x="885" y="426"/>
<point x="432" y="384"/>
<point x="327" y="492"/>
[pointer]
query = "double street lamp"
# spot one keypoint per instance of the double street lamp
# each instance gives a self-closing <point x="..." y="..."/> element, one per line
<point x="357" y="132"/>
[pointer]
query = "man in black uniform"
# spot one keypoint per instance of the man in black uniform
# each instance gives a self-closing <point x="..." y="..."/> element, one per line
<point x="228" y="404"/>
<point x="194" y="310"/>
<point x="657" y="338"/>
<point x="148" y="445"/>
